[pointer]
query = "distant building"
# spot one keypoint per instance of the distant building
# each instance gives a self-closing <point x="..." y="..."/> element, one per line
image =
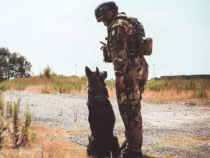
<point x="185" y="77"/>
<point x="155" y="78"/>
<point x="74" y="76"/>
<point x="63" y="76"/>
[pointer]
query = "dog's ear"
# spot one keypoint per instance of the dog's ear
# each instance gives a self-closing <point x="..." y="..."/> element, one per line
<point x="104" y="74"/>
<point x="88" y="71"/>
<point x="97" y="72"/>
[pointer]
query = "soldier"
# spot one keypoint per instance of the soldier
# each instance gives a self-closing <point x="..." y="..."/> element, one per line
<point x="131" y="71"/>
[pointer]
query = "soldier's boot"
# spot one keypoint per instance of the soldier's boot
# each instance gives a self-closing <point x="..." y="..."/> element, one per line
<point x="131" y="154"/>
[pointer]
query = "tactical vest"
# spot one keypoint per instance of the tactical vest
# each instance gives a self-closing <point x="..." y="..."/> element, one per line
<point x="137" y="43"/>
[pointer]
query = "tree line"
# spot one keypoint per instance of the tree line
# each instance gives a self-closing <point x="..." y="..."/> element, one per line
<point x="13" y="65"/>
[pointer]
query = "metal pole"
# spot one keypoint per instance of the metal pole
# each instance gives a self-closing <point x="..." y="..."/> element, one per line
<point x="153" y="71"/>
<point x="76" y="69"/>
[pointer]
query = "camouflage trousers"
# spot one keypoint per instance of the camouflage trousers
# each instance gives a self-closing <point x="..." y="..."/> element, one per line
<point x="129" y="102"/>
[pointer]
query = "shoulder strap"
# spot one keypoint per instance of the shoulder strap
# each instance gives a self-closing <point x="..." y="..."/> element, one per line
<point x="139" y="29"/>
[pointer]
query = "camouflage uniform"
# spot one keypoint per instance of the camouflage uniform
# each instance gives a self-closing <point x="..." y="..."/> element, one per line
<point x="135" y="72"/>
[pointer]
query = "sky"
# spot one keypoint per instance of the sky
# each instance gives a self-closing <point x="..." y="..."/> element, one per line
<point x="65" y="35"/>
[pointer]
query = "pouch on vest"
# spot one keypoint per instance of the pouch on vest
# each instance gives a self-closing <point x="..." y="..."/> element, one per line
<point x="145" y="45"/>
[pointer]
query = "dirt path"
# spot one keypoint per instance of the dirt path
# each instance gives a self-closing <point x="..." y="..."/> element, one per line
<point x="169" y="130"/>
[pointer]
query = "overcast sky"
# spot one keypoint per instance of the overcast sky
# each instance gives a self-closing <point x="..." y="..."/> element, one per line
<point x="65" y="33"/>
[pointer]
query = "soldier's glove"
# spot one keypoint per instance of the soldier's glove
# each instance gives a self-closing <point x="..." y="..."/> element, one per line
<point x="105" y="53"/>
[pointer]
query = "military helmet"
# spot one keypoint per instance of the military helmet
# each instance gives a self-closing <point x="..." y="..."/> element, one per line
<point x="102" y="8"/>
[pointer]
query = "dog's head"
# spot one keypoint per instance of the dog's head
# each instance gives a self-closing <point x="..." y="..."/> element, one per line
<point x="95" y="79"/>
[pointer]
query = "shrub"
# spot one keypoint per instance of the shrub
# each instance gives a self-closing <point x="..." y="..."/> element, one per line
<point x="47" y="72"/>
<point x="15" y="121"/>
<point x="1" y="105"/>
<point x="25" y="127"/>
<point x="10" y="109"/>
<point x="1" y="131"/>
<point x="54" y="75"/>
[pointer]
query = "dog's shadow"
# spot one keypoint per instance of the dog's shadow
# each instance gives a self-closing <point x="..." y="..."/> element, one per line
<point x="145" y="156"/>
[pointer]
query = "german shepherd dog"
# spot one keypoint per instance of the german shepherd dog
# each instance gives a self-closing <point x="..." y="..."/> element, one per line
<point x="102" y="142"/>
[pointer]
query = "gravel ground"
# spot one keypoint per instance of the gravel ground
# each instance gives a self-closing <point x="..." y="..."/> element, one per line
<point x="170" y="130"/>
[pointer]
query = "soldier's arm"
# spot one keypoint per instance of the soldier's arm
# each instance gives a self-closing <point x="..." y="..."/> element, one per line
<point x="118" y="49"/>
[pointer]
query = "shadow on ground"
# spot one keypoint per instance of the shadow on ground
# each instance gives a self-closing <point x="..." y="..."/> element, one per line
<point x="145" y="156"/>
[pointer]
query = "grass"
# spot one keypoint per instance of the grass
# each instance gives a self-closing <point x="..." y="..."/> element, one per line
<point x="201" y="86"/>
<point x="163" y="91"/>
<point x="160" y="91"/>
<point x="167" y="91"/>
<point x="46" y="85"/>
<point x="49" y="142"/>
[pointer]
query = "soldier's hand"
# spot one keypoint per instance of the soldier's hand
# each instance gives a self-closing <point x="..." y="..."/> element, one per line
<point x="104" y="45"/>
<point x="120" y="82"/>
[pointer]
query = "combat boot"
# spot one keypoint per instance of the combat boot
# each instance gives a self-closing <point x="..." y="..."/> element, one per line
<point x="131" y="154"/>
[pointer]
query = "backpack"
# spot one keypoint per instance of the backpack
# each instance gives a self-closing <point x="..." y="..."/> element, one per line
<point x="143" y="45"/>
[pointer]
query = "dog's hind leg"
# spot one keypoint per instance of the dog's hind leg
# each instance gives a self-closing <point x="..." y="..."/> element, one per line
<point x="90" y="147"/>
<point x="115" y="148"/>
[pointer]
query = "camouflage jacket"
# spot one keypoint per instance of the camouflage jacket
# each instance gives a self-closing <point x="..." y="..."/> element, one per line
<point x="117" y="50"/>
